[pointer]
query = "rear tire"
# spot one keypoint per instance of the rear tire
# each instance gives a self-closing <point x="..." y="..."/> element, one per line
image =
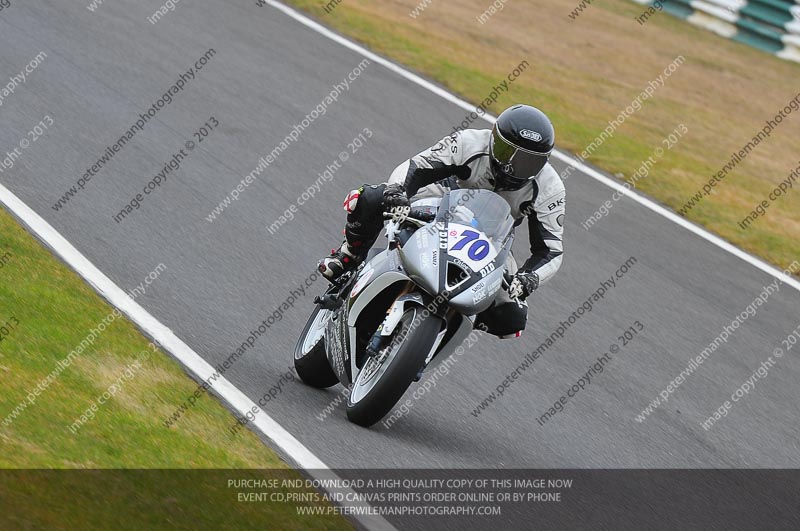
<point x="376" y="398"/>
<point x="310" y="359"/>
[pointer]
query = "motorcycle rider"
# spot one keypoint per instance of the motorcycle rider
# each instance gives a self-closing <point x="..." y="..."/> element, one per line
<point x="510" y="159"/>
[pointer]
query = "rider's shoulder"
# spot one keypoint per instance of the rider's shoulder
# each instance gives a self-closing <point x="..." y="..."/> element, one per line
<point x="549" y="182"/>
<point x="474" y="141"/>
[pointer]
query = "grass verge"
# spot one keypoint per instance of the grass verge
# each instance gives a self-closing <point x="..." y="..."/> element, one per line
<point x="46" y="310"/>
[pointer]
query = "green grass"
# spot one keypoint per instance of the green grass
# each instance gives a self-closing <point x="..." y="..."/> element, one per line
<point x="51" y="310"/>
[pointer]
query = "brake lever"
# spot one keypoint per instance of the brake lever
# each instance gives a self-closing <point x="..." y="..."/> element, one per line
<point x="398" y="214"/>
<point x="404" y="214"/>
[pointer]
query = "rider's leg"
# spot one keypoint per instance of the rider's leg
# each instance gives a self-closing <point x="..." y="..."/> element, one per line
<point x="506" y="317"/>
<point x="364" y="208"/>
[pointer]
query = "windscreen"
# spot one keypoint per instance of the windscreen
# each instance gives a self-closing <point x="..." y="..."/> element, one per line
<point x="481" y="209"/>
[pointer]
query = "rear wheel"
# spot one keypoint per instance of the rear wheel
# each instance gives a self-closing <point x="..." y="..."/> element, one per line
<point x="310" y="359"/>
<point x="384" y="378"/>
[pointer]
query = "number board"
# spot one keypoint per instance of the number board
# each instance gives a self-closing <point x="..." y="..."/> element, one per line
<point x="470" y="245"/>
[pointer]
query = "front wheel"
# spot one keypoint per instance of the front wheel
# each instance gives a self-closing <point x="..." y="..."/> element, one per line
<point x="385" y="377"/>
<point x="310" y="359"/>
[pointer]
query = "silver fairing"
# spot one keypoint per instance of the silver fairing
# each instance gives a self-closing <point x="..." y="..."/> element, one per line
<point x="458" y="258"/>
<point x="427" y="262"/>
<point x="479" y="294"/>
<point x="421" y="255"/>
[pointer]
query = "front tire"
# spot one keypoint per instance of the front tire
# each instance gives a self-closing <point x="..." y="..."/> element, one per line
<point x="310" y="359"/>
<point x="379" y="386"/>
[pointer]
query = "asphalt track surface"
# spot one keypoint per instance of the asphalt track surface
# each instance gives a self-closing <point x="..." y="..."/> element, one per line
<point x="224" y="278"/>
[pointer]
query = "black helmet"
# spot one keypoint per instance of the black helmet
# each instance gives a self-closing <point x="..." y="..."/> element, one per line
<point x="522" y="140"/>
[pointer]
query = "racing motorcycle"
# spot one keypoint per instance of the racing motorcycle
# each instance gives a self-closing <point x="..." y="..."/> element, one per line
<point x="410" y="304"/>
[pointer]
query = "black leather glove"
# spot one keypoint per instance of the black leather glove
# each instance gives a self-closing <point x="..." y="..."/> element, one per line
<point x="394" y="195"/>
<point x="523" y="284"/>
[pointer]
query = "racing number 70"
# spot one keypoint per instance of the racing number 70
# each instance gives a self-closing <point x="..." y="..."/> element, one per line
<point x="479" y="248"/>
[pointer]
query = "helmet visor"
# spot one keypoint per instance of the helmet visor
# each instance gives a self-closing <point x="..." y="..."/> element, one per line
<point x="516" y="163"/>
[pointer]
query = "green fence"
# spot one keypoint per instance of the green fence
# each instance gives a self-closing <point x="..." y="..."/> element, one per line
<point x="769" y="25"/>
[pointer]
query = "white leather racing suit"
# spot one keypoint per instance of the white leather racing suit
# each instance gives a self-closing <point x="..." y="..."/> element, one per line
<point x="461" y="160"/>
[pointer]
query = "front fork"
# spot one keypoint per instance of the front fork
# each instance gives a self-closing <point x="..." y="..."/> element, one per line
<point x="393" y="316"/>
<point x="395" y="313"/>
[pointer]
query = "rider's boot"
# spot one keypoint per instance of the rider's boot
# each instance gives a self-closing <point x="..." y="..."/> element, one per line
<point x="338" y="262"/>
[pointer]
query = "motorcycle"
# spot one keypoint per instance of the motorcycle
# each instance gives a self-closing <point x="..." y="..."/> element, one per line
<point x="409" y="305"/>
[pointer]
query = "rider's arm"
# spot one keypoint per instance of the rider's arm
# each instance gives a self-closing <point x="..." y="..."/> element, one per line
<point x="546" y="228"/>
<point x="434" y="164"/>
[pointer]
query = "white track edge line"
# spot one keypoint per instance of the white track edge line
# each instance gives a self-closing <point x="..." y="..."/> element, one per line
<point x="297" y="453"/>
<point x="564" y="157"/>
